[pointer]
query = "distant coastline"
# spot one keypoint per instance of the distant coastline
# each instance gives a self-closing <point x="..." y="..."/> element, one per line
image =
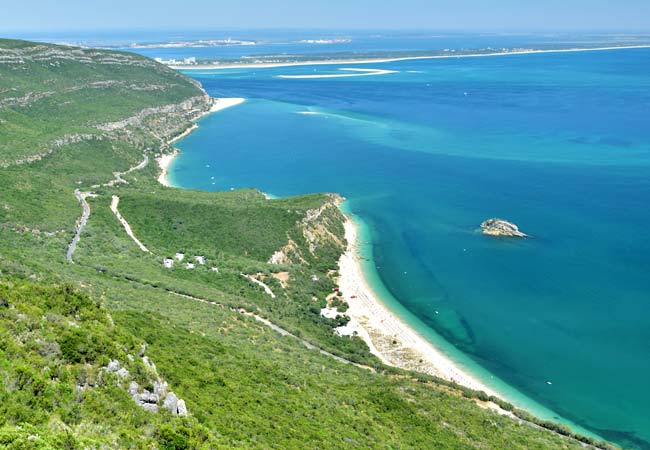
<point x="316" y="62"/>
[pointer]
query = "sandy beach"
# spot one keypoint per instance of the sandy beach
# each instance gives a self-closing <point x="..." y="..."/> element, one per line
<point x="165" y="161"/>
<point x="389" y="338"/>
<point x="223" y="103"/>
<point x="386" y="60"/>
<point x="351" y="73"/>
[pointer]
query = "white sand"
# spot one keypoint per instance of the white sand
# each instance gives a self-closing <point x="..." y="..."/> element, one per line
<point x="388" y="337"/>
<point x="165" y="161"/>
<point x="356" y="73"/>
<point x="223" y="103"/>
<point x="406" y="58"/>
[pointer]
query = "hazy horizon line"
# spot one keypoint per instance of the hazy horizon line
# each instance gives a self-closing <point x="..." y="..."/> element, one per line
<point x="450" y="30"/>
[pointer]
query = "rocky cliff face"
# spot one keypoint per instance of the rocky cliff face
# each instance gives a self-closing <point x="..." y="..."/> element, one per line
<point x="317" y="232"/>
<point x="52" y="96"/>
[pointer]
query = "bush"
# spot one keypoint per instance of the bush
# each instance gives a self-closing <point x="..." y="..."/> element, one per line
<point x="79" y="346"/>
<point x="174" y="439"/>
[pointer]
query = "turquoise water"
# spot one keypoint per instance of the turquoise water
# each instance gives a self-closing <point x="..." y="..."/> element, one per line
<point x="557" y="143"/>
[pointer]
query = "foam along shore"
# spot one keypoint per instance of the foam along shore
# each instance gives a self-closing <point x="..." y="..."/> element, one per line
<point x="319" y="62"/>
<point x="355" y="73"/>
<point x="388" y="337"/>
<point x="164" y="161"/>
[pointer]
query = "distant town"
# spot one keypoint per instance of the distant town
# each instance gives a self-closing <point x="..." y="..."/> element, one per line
<point x="191" y="61"/>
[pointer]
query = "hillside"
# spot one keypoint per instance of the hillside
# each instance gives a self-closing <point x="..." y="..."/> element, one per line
<point x="189" y="300"/>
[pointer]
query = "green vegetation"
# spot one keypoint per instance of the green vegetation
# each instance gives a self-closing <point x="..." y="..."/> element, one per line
<point x="55" y="394"/>
<point x="49" y="92"/>
<point x="246" y="385"/>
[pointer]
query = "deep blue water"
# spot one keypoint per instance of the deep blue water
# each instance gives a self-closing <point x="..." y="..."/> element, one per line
<point x="557" y="143"/>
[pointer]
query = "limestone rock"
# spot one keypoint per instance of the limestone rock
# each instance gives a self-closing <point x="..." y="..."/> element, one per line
<point x="149" y="364"/>
<point x="134" y="388"/>
<point x="500" y="227"/>
<point x="171" y="403"/>
<point x="148" y="397"/>
<point x="113" y="366"/>
<point x="160" y="388"/>
<point x="182" y="409"/>
<point x="151" y="407"/>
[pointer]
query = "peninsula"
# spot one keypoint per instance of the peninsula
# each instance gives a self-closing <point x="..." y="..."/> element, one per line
<point x="270" y="61"/>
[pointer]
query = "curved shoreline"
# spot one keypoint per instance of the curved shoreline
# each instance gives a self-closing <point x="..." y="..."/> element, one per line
<point x="389" y="337"/>
<point x="165" y="161"/>
<point x="397" y="343"/>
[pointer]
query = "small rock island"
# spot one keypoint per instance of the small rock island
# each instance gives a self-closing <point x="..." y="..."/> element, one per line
<point x="500" y="227"/>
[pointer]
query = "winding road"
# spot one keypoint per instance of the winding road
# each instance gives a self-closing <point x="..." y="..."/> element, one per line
<point x="85" y="215"/>
<point x="81" y="196"/>
<point x="114" y="204"/>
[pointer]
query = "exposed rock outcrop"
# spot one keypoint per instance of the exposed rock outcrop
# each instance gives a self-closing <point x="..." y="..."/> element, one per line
<point x="193" y="106"/>
<point x="149" y="401"/>
<point x="317" y="230"/>
<point x="143" y="128"/>
<point x="500" y="227"/>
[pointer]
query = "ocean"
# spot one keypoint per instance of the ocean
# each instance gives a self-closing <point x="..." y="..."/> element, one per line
<point x="557" y="143"/>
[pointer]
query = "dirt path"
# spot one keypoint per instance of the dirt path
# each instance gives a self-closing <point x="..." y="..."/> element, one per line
<point x="275" y="328"/>
<point x="114" y="203"/>
<point x="85" y="215"/>
<point x="81" y="223"/>
<point x="259" y="283"/>
<point x="118" y="175"/>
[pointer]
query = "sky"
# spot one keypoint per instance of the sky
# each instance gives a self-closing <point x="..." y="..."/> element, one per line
<point x="462" y="15"/>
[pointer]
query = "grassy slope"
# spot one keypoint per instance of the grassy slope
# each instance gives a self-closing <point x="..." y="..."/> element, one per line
<point x="75" y="94"/>
<point x="246" y="385"/>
